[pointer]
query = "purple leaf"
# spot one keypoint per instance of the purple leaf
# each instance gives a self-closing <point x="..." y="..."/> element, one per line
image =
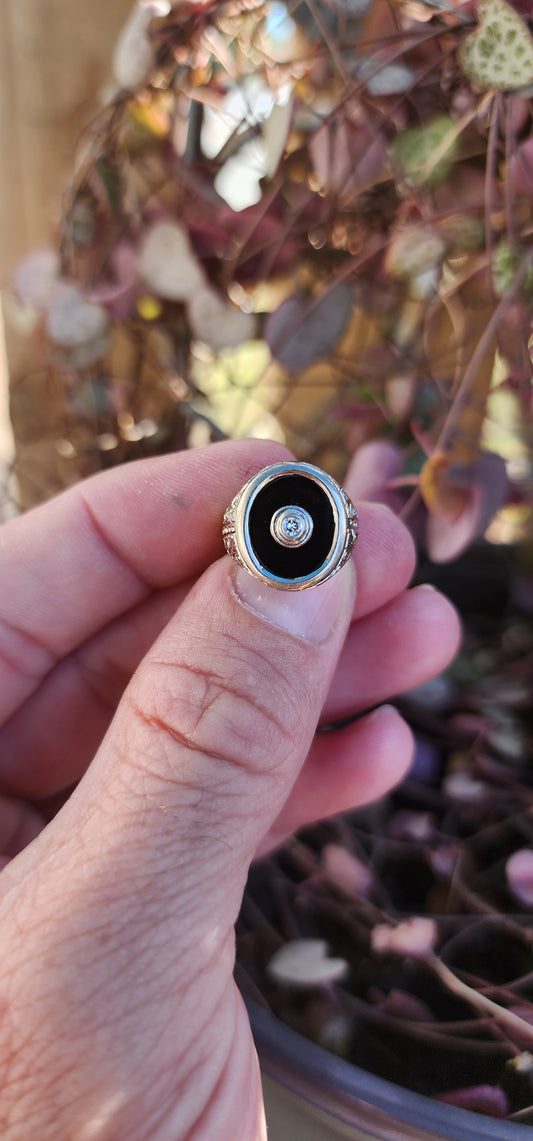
<point x="490" y="1100"/>
<point x="519" y="869"/>
<point x="120" y="291"/>
<point x="425" y="765"/>
<point x="486" y="483"/>
<point x="345" y="871"/>
<point x="523" y="1063"/>
<point x="401" y="1004"/>
<point x="346" y="156"/>
<point x="521" y="168"/>
<point x="415" y="827"/>
<point x="304" y="330"/>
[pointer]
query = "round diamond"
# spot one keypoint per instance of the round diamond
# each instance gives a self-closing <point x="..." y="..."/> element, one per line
<point x="291" y="526"/>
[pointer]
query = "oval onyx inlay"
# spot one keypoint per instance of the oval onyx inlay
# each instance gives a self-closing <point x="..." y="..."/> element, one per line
<point x="291" y="562"/>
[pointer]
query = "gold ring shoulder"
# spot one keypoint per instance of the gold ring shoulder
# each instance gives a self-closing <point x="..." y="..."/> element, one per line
<point x="229" y="533"/>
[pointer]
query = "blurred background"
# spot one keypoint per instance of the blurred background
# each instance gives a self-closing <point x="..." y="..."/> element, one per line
<point x="312" y="221"/>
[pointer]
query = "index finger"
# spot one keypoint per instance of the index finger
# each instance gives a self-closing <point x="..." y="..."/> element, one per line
<point x="82" y="559"/>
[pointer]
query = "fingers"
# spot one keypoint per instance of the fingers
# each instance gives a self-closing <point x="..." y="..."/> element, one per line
<point x="47" y="744"/>
<point x="40" y="755"/>
<point x="136" y="883"/>
<point x="398" y="647"/>
<point x="74" y="564"/>
<point x="345" y="769"/>
<point x="384" y="556"/>
<point x="19" y="825"/>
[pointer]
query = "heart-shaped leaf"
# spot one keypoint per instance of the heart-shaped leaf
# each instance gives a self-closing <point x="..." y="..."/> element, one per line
<point x="490" y="1100"/>
<point x="519" y="869"/>
<point x="78" y="328"/>
<point x="167" y="264"/>
<point x="426" y="153"/>
<point x="303" y="331"/>
<point x="499" y="53"/>
<point x="506" y="263"/>
<point x="217" y="323"/>
<point x="461" y="501"/>
<point x="345" y="871"/>
<point x="305" y="962"/>
<point x="35" y="277"/>
<point x="415" y="937"/>
<point x="71" y="319"/>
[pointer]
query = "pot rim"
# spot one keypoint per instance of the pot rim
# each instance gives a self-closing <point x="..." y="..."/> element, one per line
<point x="330" y="1083"/>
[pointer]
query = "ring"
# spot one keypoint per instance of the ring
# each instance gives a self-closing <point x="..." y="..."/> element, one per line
<point x="291" y="526"/>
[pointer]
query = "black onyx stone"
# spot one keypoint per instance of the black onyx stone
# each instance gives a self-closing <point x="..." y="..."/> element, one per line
<point x="291" y="562"/>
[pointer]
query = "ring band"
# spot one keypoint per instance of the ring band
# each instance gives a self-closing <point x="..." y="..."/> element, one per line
<point x="291" y="526"/>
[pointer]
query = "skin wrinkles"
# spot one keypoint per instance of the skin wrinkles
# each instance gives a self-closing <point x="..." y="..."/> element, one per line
<point x="29" y="646"/>
<point x="195" y="801"/>
<point x="173" y="1083"/>
<point x="231" y="695"/>
<point x="119" y="643"/>
<point x="105" y="540"/>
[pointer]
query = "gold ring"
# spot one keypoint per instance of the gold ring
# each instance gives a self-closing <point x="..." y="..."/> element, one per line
<point x="291" y="526"/>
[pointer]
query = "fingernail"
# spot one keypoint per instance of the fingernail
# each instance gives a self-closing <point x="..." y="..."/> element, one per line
<point x="310" y="614"/>
<point x="382" y="710"/>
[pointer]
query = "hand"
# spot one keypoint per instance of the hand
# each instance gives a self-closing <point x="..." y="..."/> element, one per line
<point x="178" y="698"/>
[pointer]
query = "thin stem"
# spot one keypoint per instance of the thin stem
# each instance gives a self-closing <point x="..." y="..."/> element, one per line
<point x="479" y="354"/>
<point x="490" y="176"/>
<point x="510" y="151"/>
<point x="479" y="1001"/>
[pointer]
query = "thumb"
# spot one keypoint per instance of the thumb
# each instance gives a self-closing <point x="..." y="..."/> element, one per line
<point x="136" y="884"/>
<point x="214" y="728"/>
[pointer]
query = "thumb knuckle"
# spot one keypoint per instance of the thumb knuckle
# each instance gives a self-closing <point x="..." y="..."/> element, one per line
<point x="237" y="708"/>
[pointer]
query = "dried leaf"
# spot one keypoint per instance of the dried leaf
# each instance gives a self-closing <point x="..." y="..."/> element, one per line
<point x="445" y="499"/>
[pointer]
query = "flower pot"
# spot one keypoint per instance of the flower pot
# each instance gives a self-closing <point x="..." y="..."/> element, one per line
<point x="312" y="1095"/>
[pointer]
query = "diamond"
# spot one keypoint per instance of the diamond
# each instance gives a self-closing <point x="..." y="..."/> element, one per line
<point x="291" y="526"/>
